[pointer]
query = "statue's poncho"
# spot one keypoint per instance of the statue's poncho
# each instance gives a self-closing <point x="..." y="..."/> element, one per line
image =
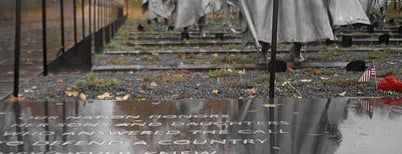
<point x="346" y="12"/>
<point x="189" y="12"/>
<point x="372" y="6"/>
<point x="299" y="20"/>
<point x="158" y="8"/>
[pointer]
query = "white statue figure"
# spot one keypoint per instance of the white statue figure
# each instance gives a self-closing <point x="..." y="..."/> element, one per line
<point x="299" y="21"/>
<point x="373" y="8"/>
<point x="191" y="12"/>
<point x="158" y="8"/>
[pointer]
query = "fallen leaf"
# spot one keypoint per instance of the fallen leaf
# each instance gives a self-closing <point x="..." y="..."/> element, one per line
<point x="83" y="97"/>
<point x="289" y="68"/>
<point x="14" y="99"/>
<point x="118" y="98"/>
<point x="323" y="78"/>
<point x="215" y="55"/>
<point x="269" y="105"/>
<point x="215" y="91"/>
<point x="251" y="96"/>
<point x="60" y="81"/>
<point x="28" y="90"/>
<point x="141" y="91"/>
<point x="178" y="96"/>
<point x="126" y="97"/>
<point x="306" y="80"/>
<point x="140" y="79"/>
<point x="276" y="148"/>
<point x="143" y="87"/>
<point x="34" y="88"/>
<point x="75" y="93"/>
<point x="342" y="93"/>
<point x="105" y="95"/>
<point x="251" y="90"/>
<point x="154" y="84"/>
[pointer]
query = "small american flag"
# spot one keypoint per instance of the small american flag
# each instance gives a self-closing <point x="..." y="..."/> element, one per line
<point x="367" y="107"/>
<point x="367" y="74"/>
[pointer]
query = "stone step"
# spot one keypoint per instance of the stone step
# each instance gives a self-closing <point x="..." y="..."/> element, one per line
<point x="198" y="67"/>
<point x="243" y="51"/>
<point x="392" y="41"/>
<point x="229" y="37"/>
<point x="184" y="43"/>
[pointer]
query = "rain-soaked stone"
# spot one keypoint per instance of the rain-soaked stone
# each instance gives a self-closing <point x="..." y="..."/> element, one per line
<point x="191" y="126"/>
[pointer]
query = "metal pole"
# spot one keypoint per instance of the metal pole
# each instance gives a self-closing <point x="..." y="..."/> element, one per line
<point x="17" y="47"/>
<point x="44" y="38"/>
<point x="75" y="21"/>
<point x="62" y="25"/>
<point x="273" y="50"/>
<point x="83" y="18"/>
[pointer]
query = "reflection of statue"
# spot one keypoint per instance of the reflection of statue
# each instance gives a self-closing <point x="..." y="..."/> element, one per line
<point x="299" y="126"/>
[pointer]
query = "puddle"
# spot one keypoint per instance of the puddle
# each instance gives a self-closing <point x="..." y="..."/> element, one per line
<point x="204" y="126"/>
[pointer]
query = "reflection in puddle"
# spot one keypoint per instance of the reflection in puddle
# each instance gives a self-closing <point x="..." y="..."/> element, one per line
<point x="339" y="125"/>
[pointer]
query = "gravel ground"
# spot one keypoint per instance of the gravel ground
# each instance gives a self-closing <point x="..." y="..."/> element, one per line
<point x="296" y="83"/>
<point x="173" y="84"/>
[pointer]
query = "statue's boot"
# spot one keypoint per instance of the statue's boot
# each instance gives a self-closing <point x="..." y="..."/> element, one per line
<point x="185" y="35"/>
<point x="263" y="53"/>
<point x="295" y="52"/>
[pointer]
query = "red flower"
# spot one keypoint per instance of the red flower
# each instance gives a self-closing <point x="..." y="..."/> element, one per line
<point x="390" y="84"/>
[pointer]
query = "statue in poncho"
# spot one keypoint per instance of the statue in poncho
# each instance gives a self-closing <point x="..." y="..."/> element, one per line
<point x="373" y="8"/>
<point x="299" y="21"/>
<point x="158" y="8"/>
<point x="192" y="12"/>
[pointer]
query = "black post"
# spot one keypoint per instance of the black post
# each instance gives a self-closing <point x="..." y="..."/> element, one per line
<point x="108" y="12"/>
<point x="17" y="47"/>
<point x="83" y="18"/>
<point x="94" y="8"/>
<point x="44" y="38"/>
<point x="394" y="4"/>
<point x="62" y="25"/>
<point x="99" y="14"/>
<point x="126" y="7"/>
<point x="273" y="50"/>
<point x="90" y="17"/>
<point x="75" y="21"/>
<point x="103" y="13"/>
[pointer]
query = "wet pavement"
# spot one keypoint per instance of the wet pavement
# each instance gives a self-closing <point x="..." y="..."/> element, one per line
<point x="313" y="126"/>
<point x="31" y="47"/>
